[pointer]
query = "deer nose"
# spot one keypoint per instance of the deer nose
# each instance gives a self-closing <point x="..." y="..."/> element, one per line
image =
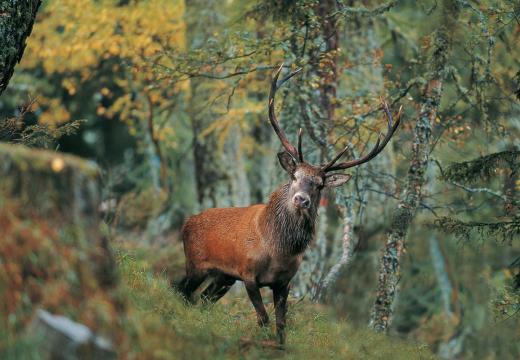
<point x="302" y="201"/>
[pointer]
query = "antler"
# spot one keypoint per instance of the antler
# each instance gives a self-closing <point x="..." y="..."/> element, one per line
<point x="300" y="152"/>
<point x="380" y="145"/>
<point x="296" y="154"/>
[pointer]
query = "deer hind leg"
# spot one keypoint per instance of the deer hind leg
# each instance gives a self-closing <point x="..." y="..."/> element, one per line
<point x="256" y="298"/>
<point x="189" y="284"/>
<point x="218" y="288"/>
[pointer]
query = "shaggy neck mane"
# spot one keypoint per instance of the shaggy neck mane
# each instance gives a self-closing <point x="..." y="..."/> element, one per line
<point x="289" y="231"/>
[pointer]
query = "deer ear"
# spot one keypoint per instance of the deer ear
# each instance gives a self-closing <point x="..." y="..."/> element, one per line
<point x="287" y="161"/>
<point x="334" y="180"/>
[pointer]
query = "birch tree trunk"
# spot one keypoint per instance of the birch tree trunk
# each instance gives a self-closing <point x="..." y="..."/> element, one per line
<point x="208" y="176"/>
<point x="410" y="199"/>
<point x="16" y="22"/>
<point x="347" y="244"/>
<point x="233" y="156"/>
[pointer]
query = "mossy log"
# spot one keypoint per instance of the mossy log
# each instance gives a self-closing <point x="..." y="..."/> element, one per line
<point x="52" y="252"/>
<point x="16" y="22"/>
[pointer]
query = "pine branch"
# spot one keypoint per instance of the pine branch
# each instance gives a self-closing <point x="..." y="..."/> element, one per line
<point x="483" y="167"/>
<point x="504" y="231"/>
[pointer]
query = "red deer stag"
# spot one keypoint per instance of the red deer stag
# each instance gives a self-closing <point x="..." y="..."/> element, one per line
<point x="262" y="245"/>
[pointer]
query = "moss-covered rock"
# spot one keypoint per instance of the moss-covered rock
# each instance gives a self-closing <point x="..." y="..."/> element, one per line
<point x="52" y="253"/>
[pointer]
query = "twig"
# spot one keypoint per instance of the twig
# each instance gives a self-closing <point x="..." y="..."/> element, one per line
<point x="264" y="343"/>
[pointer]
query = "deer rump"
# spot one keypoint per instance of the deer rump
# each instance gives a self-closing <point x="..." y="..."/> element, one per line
<point x="263" y="244"/>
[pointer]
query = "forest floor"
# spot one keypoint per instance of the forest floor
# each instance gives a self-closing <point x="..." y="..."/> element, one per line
<point x="154" y="322"/>
<point x="164" y="327"/>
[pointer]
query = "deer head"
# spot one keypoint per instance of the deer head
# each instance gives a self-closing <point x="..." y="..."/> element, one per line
<point x="307" y="180"/>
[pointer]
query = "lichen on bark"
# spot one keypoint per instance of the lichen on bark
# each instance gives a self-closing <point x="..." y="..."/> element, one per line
<point x="16" y="22"/>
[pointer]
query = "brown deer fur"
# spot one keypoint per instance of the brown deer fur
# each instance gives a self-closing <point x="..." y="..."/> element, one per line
<point x="255" y="243"/>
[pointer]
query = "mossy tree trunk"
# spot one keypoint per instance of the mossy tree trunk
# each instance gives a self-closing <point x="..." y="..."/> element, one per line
<point x="390" y="261"/>
<point x="16" y="22"/>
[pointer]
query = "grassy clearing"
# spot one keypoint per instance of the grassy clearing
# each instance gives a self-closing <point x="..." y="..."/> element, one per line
<point x="161" y="326"/>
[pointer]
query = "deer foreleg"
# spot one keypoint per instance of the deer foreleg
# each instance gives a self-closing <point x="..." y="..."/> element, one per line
<point x="256" y="298"/>
<point x="280" y="294"/>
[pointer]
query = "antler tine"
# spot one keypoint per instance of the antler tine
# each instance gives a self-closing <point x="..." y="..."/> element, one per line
<point x="348" y="164"/>
<point x="300" y="152"/>
<point x="336" y="158"/>
<point x="380" y="144"/>
<point x="272" y="116"/>
<point x="392" y="127"/>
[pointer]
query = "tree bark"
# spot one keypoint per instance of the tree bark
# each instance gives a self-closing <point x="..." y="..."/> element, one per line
<point x="215" y="170"/>
<point x="16" y="22"/>
<point x="390" y="261"/>
<point x="452" y="342"/>
<point x="329" y="73"/>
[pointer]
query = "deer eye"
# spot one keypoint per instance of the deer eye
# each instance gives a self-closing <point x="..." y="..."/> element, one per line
<point x="317" y="182"/>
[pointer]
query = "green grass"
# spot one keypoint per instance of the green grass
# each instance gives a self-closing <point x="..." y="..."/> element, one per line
<point x="15" y="348"/>
<point x="157" y="324"/>
<point x="161" y="326"/>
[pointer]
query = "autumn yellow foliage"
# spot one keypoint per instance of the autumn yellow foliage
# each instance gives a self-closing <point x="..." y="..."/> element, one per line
<point x="78" y="39"/>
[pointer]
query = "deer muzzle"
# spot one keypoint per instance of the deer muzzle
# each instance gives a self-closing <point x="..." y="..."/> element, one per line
<point x="301" y="201"/>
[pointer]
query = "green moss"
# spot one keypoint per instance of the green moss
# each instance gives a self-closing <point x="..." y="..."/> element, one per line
<point x="14" y="348"/>
<point x="25" y="158"/>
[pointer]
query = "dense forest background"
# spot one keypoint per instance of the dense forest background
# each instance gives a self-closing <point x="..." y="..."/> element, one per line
<point x="169" y="98"/>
